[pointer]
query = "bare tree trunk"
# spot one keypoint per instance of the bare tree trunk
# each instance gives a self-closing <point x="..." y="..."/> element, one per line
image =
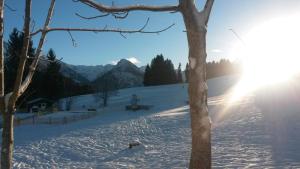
<point x="7" y="140"/>
<point x="196" y="23"/>
<point x="1" y="54"/>
<point x="7" y="119"/>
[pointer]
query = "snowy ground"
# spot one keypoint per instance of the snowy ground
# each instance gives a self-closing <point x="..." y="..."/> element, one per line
<point x="258" y="131"/>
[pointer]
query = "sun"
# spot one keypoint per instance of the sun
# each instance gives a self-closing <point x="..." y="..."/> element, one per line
<point x="270" y="53"/>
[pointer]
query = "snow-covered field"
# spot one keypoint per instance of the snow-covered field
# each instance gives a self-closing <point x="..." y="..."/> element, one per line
<point x="259" y="131"/>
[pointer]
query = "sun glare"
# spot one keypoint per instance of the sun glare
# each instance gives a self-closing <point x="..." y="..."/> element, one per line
<point x="270" y="53"/>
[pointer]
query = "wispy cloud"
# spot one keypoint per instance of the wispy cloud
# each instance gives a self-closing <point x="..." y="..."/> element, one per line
<point x="114" y="62"/>
<point x="133" y="60"/>
<point x="216" y="51"/>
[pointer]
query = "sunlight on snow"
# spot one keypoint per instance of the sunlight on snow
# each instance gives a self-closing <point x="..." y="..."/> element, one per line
<point x="270" y="54"/>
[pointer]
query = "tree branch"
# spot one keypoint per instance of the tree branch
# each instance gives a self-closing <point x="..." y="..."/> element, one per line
<point x="207" y="10"/>
<point x="72" y="39"/>
<point x="92" y="17"/>
<point x="117" y="15"/>
<point x="113" y="9"/>
<point x="121" y="15"/>
<point x="23" y="56"/>
<point x="1" y="53"/>
<point x="37" y="55"/>
<point x="105" y="29"/>
<point x="10" y="8"/>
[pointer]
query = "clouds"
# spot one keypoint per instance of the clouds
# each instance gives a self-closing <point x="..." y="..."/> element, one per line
<point x="133" y="60"/>
<point x="216" y="51"/>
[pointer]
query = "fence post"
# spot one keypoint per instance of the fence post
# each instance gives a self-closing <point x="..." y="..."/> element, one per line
<point x="65" y="120"/>
<point x="50" y="120"/>
<point x="33" y="119"/>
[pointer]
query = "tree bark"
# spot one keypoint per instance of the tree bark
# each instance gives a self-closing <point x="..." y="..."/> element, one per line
<point x="1" y="52"/>
<point x="196" y="23"/>
<point x="7" y="140"/>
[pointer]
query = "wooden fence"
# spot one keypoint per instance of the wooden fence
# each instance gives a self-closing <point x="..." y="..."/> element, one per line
<point x="35" y="119"/>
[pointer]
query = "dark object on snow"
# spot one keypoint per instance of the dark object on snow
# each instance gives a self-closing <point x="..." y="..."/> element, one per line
<point x="134" y="104"/>
<point x="137" y="107"/>
<point x="135" y="143"/>
<point x="91" y="109"/>
<point x="134" y="100"/>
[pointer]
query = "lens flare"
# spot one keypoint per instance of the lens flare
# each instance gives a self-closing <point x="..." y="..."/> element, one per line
<point x="270" y="55"/>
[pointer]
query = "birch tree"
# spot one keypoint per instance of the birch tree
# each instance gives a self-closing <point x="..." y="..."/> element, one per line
<point x="8" y="100"/>
<point x="196" y="28"/>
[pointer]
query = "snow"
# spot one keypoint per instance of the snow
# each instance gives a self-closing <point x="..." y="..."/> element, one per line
<point x="259" y="131"/>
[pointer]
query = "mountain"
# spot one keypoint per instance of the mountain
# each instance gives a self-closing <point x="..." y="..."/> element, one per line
<point x="91" y="72"/>
<point x="143" y="68"/>
<point x="67" y="71"/>
<point x="126" y="74"/>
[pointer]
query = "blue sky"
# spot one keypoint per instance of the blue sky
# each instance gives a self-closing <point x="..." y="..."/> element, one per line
<point x="104" y="48"/>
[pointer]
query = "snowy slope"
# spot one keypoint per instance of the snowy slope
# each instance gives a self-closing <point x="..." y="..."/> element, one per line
<point x="258" y="131"/>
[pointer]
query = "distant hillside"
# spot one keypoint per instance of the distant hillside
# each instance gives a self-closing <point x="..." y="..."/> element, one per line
<point x="91" y="72"/>
<point x="69" y="72"/>
<point x="126" y="74"/>
<point x="66" y="70"/>
<point x="87" y="74"/>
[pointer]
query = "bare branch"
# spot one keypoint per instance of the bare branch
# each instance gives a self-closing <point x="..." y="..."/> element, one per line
<point x="72" y="39"/>
<point x="117" y="15"/>
<point x="116" y="30"/>
<point x="23" y="56"/>
<point x="34" y="63"/>
<point x="207" y="10"/>
<point x="33" y="25"/>
<point x="122" y="15"/>
<point x="1" y="54"/>
<point x="142" y="28"/>
<point x="92" y="17"/>
<point x="113" y="9"/>
<point x="10" y="8"/>
<point x="123" y="36"/>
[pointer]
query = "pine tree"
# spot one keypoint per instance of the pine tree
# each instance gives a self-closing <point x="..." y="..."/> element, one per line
<point x="170" y="76"/>
<point x="12" y="54"/>
<point x="179" y="75"/>
<point x="147" y="76"/>
<point x="53" y="80"/>
<point x="186" y="73"/>
<point x="157" y="70"/>
<point x="160" y="72"/>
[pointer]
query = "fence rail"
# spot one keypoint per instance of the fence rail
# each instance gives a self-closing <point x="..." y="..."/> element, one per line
<point x="35" y="119"/>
